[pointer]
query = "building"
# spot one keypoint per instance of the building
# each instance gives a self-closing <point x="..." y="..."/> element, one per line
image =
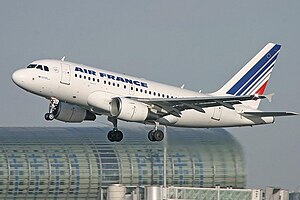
<point x="272" y="193"/>
<point x="294" y="196"/>
<point x="80" y="163"/>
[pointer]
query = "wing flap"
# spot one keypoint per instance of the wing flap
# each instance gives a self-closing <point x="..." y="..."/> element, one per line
<point x="174" y="106"/>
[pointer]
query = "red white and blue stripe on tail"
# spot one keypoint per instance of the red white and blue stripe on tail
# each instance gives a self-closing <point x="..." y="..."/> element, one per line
<point x="254" y="76"/>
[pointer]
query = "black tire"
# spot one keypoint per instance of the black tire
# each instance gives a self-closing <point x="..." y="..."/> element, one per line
<point x="158" y="135"/>
<point x="47" y="116"/>
<point x="150" y="135"/>
<point x="51" y="116"/>
<point x="110" y="136"/>
<point x="118" y="136"/>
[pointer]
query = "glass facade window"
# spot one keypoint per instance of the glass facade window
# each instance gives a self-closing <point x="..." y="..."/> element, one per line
<point x="78" y="162"/>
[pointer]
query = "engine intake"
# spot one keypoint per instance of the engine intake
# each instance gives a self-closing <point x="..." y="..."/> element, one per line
<point x="71" y="113"/>
<point x="130" y="110"/>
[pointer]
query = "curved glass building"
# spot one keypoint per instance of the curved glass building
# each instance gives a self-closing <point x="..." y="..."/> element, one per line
<point x="78" y="162"/>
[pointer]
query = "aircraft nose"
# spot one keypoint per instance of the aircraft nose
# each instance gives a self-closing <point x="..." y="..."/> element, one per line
<point x="18" y="77"/>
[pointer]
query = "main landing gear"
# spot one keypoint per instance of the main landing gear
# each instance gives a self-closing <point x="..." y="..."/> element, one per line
<point x="155" y="134"/>
<point x="52" y="107"/>
<point x="114" y="135"/>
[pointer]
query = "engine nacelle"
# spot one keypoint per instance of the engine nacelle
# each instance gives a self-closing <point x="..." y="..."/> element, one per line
<point x="71" y="113"/>
<point x="129" y="110"/>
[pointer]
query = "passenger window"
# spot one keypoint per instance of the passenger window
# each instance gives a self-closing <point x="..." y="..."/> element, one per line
<point x="149" y="92"/>
<point x="46" y="68"/>
<point x="108" y="82"/>
<point x="39" y="67"/>
<point x="84" y="77"/>
<point x="131" y="88"/>
<point x="113" y="84"/>
<point x="104" y="82"/>
<point x="141" y="90"/>
<point x="167" y="96"/>
<point x="136" y="89"/>
<point x="31" y="66"/>
<point x="75" y="75"/>
<point x="94" y="79"/>
<point x="118" y="85"/>
<point x="158" y="94"/>
<point x="163" y="95"/>
<point x="89" y="78"/>
<point x="98" y="80"/>
<point x="124" y="86"/>
<point x="145" y="91"/>
<point x="154" y="93"/>
<point x="80" y="76"/>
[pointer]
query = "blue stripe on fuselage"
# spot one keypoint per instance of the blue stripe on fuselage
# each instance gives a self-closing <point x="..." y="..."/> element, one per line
<point x="253" y="70"/>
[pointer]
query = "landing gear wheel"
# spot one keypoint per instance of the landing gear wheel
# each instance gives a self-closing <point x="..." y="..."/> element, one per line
<point x="158" y="135"/>
<point x="49" y="116"/>
<point x="110" y="136"/>
<point x="118" y="136"/>
<point x="115" y="136"/>
<point x="150" y="135"/>
<point x="155" y="135"/>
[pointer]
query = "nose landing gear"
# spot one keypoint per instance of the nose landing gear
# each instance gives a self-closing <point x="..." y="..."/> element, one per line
<point x="49" y="116"/>
<point x="52" y="107"/>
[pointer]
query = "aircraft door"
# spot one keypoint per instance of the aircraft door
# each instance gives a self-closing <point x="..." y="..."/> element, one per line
<point x="65" y="74"/>
<point x="217" y="113"/>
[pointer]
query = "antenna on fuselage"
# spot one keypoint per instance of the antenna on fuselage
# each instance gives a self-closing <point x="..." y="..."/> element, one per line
<point x="182" y="86"/>
<point x="63" y="58"/>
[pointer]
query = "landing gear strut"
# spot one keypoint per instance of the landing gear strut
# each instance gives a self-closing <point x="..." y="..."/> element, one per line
<point x="156" y="135"/>
<point x="52" y="107"/>
<point x="114" y="135"/>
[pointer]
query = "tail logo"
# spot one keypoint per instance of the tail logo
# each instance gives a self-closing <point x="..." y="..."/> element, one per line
<point x="256" y="78"/>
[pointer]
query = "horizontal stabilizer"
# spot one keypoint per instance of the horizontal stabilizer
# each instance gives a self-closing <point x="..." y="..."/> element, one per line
<point x="267" y="114"/>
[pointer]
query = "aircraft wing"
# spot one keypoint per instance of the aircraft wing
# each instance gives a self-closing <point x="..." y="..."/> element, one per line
<point x="267" y="114"/>
<point x="174" y="106"/>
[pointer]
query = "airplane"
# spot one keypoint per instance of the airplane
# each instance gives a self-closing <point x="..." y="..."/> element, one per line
<point x="78" y="92"/>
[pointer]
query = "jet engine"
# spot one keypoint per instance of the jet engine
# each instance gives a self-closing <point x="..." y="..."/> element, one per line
<point x="130" y="110"/>
<point x="71" y="113"/>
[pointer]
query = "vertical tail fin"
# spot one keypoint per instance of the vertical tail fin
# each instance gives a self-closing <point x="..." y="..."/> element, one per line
<point x="253" y="77"/>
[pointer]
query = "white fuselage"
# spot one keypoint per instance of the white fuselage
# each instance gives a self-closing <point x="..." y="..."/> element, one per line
<point x="74" y="83"/>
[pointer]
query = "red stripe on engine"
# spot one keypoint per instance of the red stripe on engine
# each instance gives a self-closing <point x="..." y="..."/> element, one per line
<point x="261" y="90"/>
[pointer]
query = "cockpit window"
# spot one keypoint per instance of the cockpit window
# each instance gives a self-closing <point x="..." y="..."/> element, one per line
<point x="39" y="67"/>
<point x="31" y="66"/>
<point x="46" y="68"/>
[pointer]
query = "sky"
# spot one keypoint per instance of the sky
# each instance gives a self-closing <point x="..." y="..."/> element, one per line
<point x="201" y="44"/>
